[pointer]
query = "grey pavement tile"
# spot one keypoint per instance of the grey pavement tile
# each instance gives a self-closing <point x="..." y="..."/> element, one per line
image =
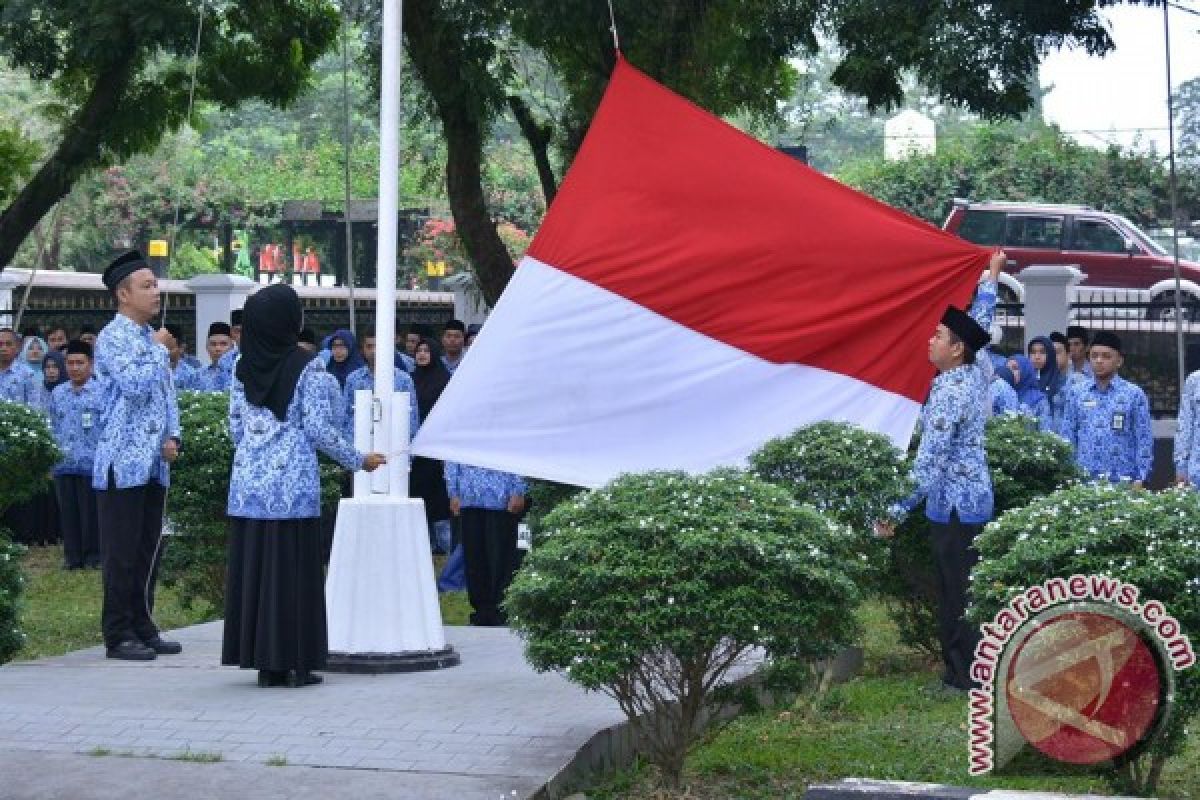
<point x="457" y="733"/>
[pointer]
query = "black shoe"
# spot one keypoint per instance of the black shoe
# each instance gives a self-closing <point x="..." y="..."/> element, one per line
<point x="302" y="677"/>
<point x="163" y="647"/>
<point x="271" y="677"/>
<point x="131" y="650"/>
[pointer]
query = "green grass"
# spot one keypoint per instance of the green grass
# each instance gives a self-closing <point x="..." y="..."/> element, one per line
<point x="887" y="724"/>
<point x="276" y="761"/>
<point x="62" y="609"/>
<point x="196" y="757"/>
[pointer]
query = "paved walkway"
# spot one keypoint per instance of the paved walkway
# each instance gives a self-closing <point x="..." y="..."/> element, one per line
<point x="81" y="726"/>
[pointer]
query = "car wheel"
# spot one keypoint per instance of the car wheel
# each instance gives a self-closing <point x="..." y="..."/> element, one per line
<point x="1006" y="295"/>
<point x="1163" y="307"/>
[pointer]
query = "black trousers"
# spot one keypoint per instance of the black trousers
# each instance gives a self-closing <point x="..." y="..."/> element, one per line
<point x="489" y="542"/>
<point x="77" y="517"/>
<point x="130" y="529"/>
<point x="954" y="555"/>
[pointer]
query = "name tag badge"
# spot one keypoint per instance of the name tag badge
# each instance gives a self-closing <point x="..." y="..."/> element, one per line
<point x="1118" y="421"/>
<point x="1089" y="403"/>
<point x="85" y="419"/>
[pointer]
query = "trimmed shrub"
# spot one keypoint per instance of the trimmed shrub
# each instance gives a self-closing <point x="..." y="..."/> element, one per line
<point x="27" y="454"/>
<point x="12" y="584"/>
<point x="544" y="497"/>
<point x="654" y="587"/>
<point x="840" y="469"/>
<point x="194" y="559"/>
<point x="1025" y="464"/>
<point x="1146" y="539"/>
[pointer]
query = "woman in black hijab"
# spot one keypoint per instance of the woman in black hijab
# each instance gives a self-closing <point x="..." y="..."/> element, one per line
<point x="430" y="377"/>
<point x="281" y="412"/>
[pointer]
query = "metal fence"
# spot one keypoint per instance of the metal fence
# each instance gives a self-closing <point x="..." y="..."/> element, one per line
<point x="1148" y="339"/>
<point x="49" y="308"/>
<point x="1147" y="331"/>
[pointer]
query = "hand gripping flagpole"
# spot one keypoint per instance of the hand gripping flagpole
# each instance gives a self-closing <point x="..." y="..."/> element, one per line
<point x="381" y="597"/>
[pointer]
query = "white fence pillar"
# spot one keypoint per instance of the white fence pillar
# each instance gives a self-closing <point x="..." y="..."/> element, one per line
<point x="217" y="296"/>
<point x="1048" y="291"/>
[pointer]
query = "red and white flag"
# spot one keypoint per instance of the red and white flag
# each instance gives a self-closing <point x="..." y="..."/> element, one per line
<point x="691" y="294"/>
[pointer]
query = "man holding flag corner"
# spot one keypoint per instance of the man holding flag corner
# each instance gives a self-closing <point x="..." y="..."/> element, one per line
<point x="951" y="470"/>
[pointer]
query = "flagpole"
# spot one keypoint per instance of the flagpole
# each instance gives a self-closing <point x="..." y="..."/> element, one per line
<point x="1172" y="184"/>
<point x="388" y="248"/>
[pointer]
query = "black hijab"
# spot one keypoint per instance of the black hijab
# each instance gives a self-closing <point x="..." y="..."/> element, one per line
<point x="271" y="361"/>
<point x="60" y="361"/>
<point x="429" y="380"/>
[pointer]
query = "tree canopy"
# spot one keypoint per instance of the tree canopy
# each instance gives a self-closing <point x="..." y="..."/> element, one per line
<point x="121" y="73"/>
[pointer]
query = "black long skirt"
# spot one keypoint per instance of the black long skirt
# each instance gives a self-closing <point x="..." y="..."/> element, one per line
<point x="275" y="595"/>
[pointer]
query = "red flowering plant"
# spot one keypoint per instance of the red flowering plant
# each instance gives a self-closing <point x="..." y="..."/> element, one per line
<point x="437" y="243"/>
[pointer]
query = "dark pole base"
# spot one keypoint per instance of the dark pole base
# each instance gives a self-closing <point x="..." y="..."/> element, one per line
<point x="380" y="663"/>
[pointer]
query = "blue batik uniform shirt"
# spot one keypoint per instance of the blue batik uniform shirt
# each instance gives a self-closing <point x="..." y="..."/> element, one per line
<point x="75" y="417"/>
<point x="20" y="384"/>
<point x="950" y="470"/>
<point x="1004" y="397"/>
<point x="275" y="473"/>
<point x="361" y="378"/>
<point x="1187" y="438"/>
<point x="141" y="413"/>
<point x="477" y="487"/>
<point x="188" y="375"/>
<point x="1110" y="430"/>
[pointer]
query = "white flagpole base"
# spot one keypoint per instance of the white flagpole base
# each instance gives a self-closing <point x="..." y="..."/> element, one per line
<point x="380" y="594"/>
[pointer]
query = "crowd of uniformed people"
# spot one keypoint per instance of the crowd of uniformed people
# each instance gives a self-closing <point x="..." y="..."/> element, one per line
<point x="111" y="403"/>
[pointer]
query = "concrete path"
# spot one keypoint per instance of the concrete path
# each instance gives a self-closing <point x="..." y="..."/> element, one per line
<point x="81" y="726"/>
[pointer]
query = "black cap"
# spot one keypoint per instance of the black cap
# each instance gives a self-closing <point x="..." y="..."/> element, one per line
<point x="1107" y="339"/>
<point x="960" y="323"/>
<point x="1058" y="337"/>
<point x="79" y="347"/>
<point x="1076" y="332"/>
<point x="124" y="266"/>
<point x="220" y="329"/>
<point x="308" y="336"/>
<point x="235" y="317"/>
<point x="455" y="325"/>
<point x="87" y="327"/>
<point x="175" y="331"/>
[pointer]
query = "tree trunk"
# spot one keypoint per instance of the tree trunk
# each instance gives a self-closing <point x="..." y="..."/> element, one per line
<point x="78" y="152"/>
<point x="435" y="49"/>
<point x="538" y="137"/>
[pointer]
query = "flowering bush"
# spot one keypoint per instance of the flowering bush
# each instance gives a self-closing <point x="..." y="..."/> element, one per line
<point x="438" y="241"/>
<point x="12" y="583"/>
<point x="1025" y="464"/>
<point x="1146" y="539"/>
<point x="194" y="560"/>
<point x="652" y="588"/>
<point x="27" y="454"/>
<point x="852" y="474"/>
<point x="544" y="497"/>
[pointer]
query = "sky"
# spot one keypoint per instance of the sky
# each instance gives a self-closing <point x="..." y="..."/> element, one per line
<point x="1099" y="100"/>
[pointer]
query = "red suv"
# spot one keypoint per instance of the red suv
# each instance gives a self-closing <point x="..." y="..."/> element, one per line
<point x="1110" y="249"/>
